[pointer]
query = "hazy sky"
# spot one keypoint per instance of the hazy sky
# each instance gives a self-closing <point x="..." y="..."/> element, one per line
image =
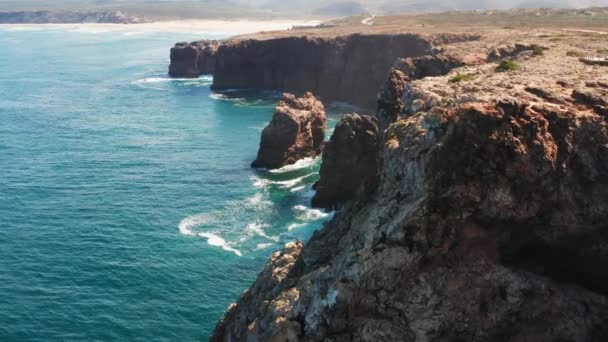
<point x="338" y="6"/>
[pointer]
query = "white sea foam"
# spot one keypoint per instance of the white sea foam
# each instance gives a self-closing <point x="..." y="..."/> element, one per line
<point x="258" y="201"/>
<point x="218" y="241"/>
<point x="307" y="214"/>
<point x="295" y="226"/>
<point x="186" y="226"/>
<point x="263" y="246"/>
<point x="202" y="81"/>
<point x="298" y="188"/>
<point x="258" y="229"/>
<point x="286" y="184"/>
<point x="300" y="164"/>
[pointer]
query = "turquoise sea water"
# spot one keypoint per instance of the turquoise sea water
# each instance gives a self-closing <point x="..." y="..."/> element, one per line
<point x="128" y="211"/>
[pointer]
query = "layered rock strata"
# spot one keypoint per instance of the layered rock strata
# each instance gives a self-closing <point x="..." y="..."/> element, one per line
<point x="345" y="68"/>
<point x="488" y="222"/>
<point x="296" y="131"/>
<point x="350" y="162"/>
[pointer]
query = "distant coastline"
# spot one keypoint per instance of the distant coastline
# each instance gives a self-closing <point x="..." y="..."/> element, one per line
<point x="202" y="27"/>
<point x="69" y="17"/>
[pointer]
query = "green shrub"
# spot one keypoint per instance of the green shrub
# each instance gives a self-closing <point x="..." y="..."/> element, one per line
<point x="603" y="51"/>
<point x="574" y="53"/>
<point x="460" y="77"/>
<point x="507" y="65"/>
<point x="538" y="51"/>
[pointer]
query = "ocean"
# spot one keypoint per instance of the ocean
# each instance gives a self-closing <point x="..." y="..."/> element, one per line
<point x="128" y="210"/>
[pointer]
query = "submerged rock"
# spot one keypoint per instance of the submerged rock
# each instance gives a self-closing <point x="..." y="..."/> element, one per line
<point x="296" y="131"/>
<point x="349" y="162"/>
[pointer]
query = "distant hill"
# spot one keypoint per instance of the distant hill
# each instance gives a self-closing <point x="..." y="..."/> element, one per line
<point x="67" y="17"/>
<point x="70" y="10"/>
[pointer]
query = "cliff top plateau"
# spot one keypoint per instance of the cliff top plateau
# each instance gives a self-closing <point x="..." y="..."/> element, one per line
<point x="486" y="215"/>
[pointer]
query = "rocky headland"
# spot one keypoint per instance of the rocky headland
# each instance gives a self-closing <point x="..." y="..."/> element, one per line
<point x="296" y="131"/>
<point x="473" y="206"/>
<point x="348" y="68"/>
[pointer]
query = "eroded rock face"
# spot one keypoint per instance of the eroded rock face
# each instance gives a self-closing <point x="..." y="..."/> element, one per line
<point x="345" y="68"/>
<point x="296" y="131"/>
<point x="350" y="162"/>
<point x="487" y="224"/>
<point x="193" y="59"/>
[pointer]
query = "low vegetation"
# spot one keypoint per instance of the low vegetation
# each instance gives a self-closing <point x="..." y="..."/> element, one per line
<point x="460" y="78"/>
<point x="539" y="51"/>
<point x="574" y="53"/>
<point x="507" y="65"/>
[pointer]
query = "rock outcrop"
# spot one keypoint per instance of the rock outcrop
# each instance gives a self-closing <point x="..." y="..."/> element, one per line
<point x="350" y="162"/>
<point x="488" y="222"/>
<point x="193" y="59"/>
<point x="296" y="131"/>
<point x="343" y="68"/>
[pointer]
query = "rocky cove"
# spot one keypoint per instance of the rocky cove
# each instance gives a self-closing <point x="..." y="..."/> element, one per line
<point x="472" y="203"/>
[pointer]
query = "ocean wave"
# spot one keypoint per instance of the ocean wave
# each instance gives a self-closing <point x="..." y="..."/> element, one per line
<point x="286" y="184"/>
<point x="258" y="201"/>
<point x="295" y="226"/>
<point x="308" y="214"/>
<point x="256" y="228"/>
<point x="201" y="81"/>
<point x="218" y="241"/>
<point x="186" y="225"/>
<point x="300" y="164"/>
<point x="260" y="246"/>
<point x="298" y="188"/>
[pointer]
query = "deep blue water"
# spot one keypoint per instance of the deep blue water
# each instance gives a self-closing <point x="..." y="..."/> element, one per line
<point x="128" y="211"/>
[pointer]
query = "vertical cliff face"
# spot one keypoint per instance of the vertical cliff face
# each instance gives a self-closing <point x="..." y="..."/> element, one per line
<point x="350" y="162"/>
<point x="487" y="224"/>
<point x="344" y="68"/>
<point x="193" y="59"/>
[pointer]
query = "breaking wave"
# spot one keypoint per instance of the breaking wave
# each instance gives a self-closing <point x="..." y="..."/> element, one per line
<point x="299" y="165"/>
<point x="308" y="214"/>
<point x="218" y="241"/>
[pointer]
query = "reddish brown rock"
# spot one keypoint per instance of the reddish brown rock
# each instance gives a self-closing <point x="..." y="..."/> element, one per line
<point x="344" y="68"/>
<point x="296" y="131"/>
<point x="349" y="163"/>
<point x="193" y="59"/>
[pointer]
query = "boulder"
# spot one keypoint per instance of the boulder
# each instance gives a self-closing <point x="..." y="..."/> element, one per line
<point x="296" y="131"/>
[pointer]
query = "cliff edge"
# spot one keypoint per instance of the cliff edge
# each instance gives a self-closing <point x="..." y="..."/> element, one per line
<point x="348" y="68"/>
<point x="488" y="222"/>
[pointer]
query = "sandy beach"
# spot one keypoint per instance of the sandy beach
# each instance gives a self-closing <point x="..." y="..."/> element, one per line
<point x="214" y="27"/>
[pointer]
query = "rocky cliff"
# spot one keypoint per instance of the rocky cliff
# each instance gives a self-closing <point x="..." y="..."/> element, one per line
<point x="488" y="222"/>
<point x="350" y="162"/>
<point x="193" y="59"/>
<point x="296" y="131"/>
<point x="347" y="68"/>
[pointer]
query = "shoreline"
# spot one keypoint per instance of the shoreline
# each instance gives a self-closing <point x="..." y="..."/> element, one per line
<point x="226" y="27"/>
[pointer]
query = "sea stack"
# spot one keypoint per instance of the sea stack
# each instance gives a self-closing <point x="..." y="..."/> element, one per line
<point x="296" y="131"/>
<point x="350" y="162"/>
